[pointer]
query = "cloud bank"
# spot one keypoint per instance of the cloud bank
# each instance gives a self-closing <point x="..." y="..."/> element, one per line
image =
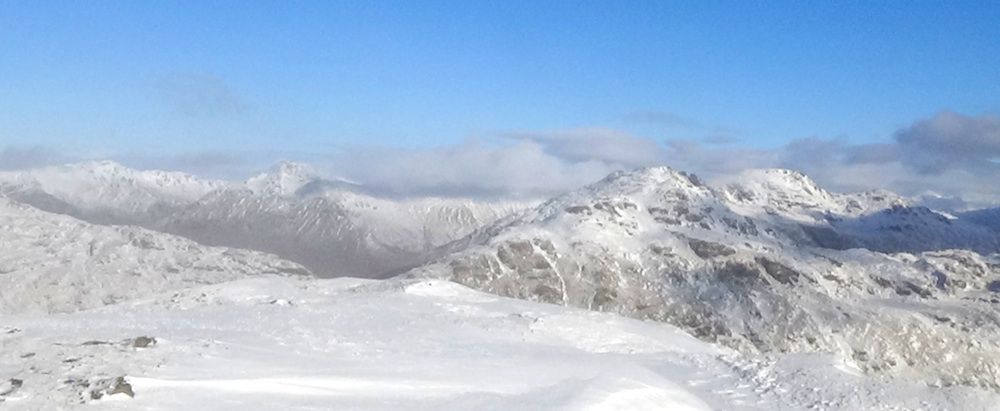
<point x="949" y="160"/>
<point x="951" y="141"/>
<point x="527" y="166"/>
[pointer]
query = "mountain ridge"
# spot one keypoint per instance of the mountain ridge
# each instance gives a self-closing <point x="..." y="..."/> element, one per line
<point x="334" y="226"/>
<point x="792" y="269"/>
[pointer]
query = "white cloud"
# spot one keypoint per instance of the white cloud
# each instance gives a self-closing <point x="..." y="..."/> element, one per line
<point x="947" y="159"/>
<point x="944" y="159"/>
<point x="522" y="168"/>
<point x="597" y="144"/>
<point x="951" y="140"/>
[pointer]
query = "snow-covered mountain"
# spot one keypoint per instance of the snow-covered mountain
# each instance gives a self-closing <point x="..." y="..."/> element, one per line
<point x="333" y="226"/>
<point x="54" y="263"/>
<point x="334" y="234"/>
<point x="769" y="263"/>
<point x="105" y="191"/>
<point x="876" y="220"/>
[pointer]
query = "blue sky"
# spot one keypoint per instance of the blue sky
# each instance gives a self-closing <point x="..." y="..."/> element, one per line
<point x="314" y="76"/>
<point x="512" y="97"/>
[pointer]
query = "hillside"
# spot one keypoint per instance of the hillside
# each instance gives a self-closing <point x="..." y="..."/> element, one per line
<point x="54" y="263"/>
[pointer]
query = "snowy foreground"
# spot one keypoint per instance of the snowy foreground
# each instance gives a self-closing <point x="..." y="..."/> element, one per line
<point x="277" y="342"/>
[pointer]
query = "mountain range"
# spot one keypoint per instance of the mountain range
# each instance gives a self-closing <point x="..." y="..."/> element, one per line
<point x="333" y="227"/>
<point x="769" y="264"/>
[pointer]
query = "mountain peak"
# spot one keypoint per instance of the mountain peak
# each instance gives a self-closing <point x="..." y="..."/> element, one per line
<point x="782" y="177"/>
<point x="284" y="179"/>
<point x="649" y="177"/>
<point x="103" y="167"/>
<point x="293" y="168"/>
<point x="775" y="185"/>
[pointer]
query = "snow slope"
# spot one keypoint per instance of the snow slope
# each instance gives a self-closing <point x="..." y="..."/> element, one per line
<point x="54" y="263"/>
<point x="304" y="344"/>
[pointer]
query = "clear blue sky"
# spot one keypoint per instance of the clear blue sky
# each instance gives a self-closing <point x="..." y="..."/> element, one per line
<point x="167" y="77"/>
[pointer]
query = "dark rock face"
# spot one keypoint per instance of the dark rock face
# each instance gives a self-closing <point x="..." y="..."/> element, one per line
<point x="827" y="238"/>
<point x="693" y="179"/>
<point x="112" y="386"/>
<point x="780" y="272"/>
<point x="708" y="249"/>
<point x="143" y="342"/>
<point x="10" y="387"/>
<point x="615" y="208"/>
<point x="903" y="288"/>
<point x="744" y="226"/>
<point x="737" y="274"/>
<point x="909" y="288"/>
<point x="532" y="276"/>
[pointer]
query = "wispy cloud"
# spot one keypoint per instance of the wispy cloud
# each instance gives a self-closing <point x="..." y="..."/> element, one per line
<point x="523" y="168"/>
<point x="20" y="158"/>
<point x="660" y="118"/>
<point x="201" y="95"/>
<point x="597" y="144"/>
<point x="675" y="124"/>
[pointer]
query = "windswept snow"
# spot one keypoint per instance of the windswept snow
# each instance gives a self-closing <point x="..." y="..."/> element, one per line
<point x="433" y="345"/>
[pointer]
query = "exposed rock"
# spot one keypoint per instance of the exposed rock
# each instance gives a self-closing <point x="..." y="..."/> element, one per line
<point x="112" y="386"/>
<point x="142" y="342"/>
<point x="827" y="238"/>
<point x="737" y="273"/>
<point x="9" y="387"/>
<point x="708" y="249"/>
<point x="778" y="271"/>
